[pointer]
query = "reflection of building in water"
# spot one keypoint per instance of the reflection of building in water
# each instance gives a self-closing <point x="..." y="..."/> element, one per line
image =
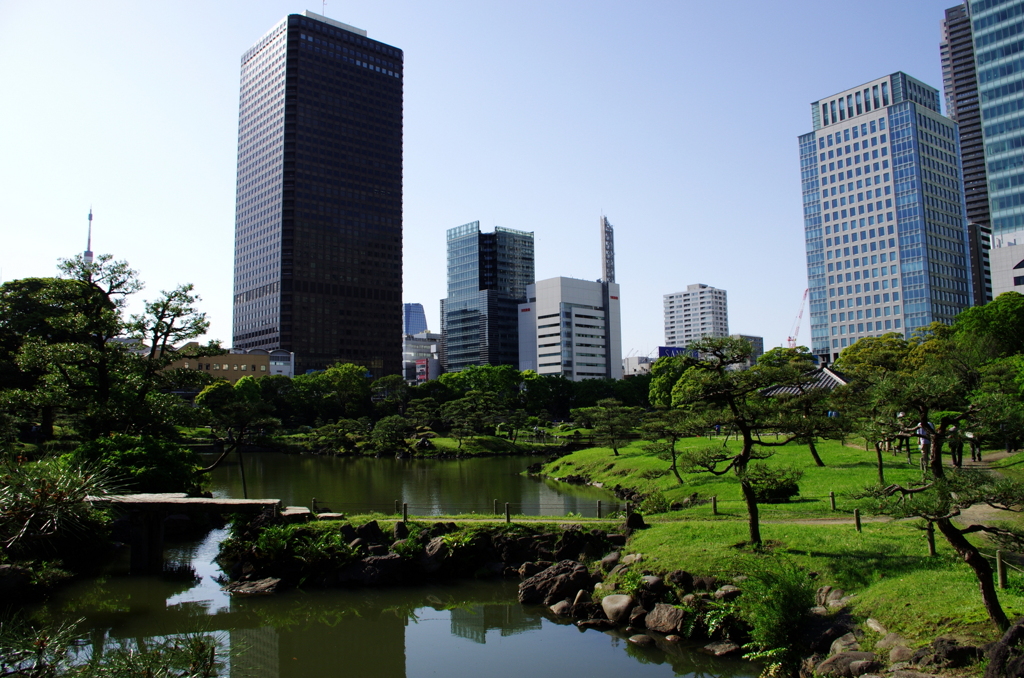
<point x="474" y="622"/>
<point x="254" y="653"/>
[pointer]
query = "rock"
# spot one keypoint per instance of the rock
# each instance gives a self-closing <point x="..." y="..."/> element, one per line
<point x="372" y="571"/>
<point x="904" y="673"/>
<point x="601" y="587"/>
<point x="433" y="555"/>
<point x="642" y="640"/>
<point x="616" y="539"/>
<point x="818" y="610"/>
<point x="632" y="558"/>
<point x="666" y="619"/>
<point x="638" y="617"/>
<point x="621" y="568"/>
<point x="653" y="584"/>
<point x="559" y="581"/>
<point x="890" y="641"/>
<point x="401" y="530"/>
<point x="597" y="624"/>
<point x="859" y="668"/>
<point x="673" y="638"/>
<point x="258" y="587"/>
<point x="839" y="664"/>
<point x="706" y="582"/>
<point x="617" y="607"/>
<point x="946" y="653"/>
<point x="371" y="532"/>
<point x="635" y="521"/>
<point x="876" y="626"/>
<point x="561" y="608"/>
<point x="900" y="653"/>
<point x="727" y="592"/>
<point x="378" y="550"/>
<point x="721" y="649"/>
<point x="821" y="595"/>
<point x="348" y="533"/>
<point x="610" y="561"/>
<point x="357" y="543"/>
<point x="581" y="597"/>
<point x="844" y="644"/>
<point x="527" y="570"/>
<point x="587" y="611"/>
<point x="682" y="579"/>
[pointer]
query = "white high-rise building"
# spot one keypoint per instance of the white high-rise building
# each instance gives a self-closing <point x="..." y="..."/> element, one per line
<point x="571" y="327"/>
<point x="700" y="311"/>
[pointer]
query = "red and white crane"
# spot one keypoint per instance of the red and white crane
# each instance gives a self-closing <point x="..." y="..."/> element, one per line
<point x="791" y="342"/>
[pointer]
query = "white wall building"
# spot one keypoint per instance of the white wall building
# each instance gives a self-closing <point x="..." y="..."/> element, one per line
<point x="1006" y="260"/>
<point x="421" y="357"/>
<point x="571" y="327"/>
<point x="700" y="311"/>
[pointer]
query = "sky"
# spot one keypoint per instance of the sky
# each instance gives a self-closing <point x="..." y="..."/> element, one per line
<point x="677" y="120"/>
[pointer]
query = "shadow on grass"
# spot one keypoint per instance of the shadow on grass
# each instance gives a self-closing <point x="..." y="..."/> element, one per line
<point x="861" y="568"/>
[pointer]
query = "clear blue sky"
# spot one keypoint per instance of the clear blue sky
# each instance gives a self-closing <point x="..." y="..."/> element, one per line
<point x="678" y="120"/>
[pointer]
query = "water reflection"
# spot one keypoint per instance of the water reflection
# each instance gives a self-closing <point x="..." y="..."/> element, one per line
<point x="430" y="487"/>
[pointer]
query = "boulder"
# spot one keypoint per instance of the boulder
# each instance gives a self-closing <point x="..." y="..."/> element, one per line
<point x="373" y="571"/>
<point x="581" y="597"/>
<point x="401" y="530"/>
<point x="946" y="653"/>
<point x="378" y="550"/>
<point x="666" y="619"/>
<point x="527" y="570"/>
<point x="348" y="533"/>
<point x="863" y="666"/>
<point x="900" y="653"/>
<point x="876" y="626"/>
<point x="258" y="587"/>
<point x="587" y="611"/>
<point x="562" y="608"/>
<point x="557" y="582"/>
<point x="890" y="641"/>
<point x="681" y="579"/>
<point x="642" y="640"/>
<point x="616" y="539"/>
<point x="371" y="532"/>
<point x="610" y="560"/>
<point x="721" y="649"/>
<point x="597" y="624"/>
<point x="635" y="521"/>
<point x="433" y="555"/>
<point x="653" y="584"/>
<point x="727" y="592"/>
<point x="707" y="582"/>
<point x="617" y="607"/>
<point x="632" y="558"/>
<point x="673" y="638"/>
<point x="845" y="643"/>
<point x="839" y="664"/>
<point x="638" y="617"/>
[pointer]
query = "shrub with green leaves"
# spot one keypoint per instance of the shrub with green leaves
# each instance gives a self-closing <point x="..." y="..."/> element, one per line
<point x="773" y="484"/>
<point x="142" y="463"/>
<point x="775" y="600"/>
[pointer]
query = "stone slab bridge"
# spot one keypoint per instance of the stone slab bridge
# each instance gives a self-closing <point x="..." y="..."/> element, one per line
<point x="148" y="511"/>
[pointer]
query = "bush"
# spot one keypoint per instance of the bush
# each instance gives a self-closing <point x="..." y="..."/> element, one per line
<point x="776" y="597"/>
<point x="773" y="485"/>
<point x="142" y="464"/>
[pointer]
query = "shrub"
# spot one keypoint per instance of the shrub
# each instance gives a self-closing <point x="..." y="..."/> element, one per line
<point x="774" y="485"/>
<point x="142" y="464"/>
<point x="776" y="597"/>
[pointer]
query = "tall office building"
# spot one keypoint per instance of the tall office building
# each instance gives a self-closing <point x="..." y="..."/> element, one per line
<point x="318" y="221"/>
<point x="960" y="85"/>
<point x="415" y="319"/>
<point x="884" y="214"/>
<point x="571" y="328"/>
<point x="991" y="34"/>
<point x="700" y="311"/>
<point x="487" y="278"/>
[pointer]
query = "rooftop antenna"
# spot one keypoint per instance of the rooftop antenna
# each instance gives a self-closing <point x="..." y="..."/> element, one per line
<point x="607" y="251"/>
<point x="88" y="245"/>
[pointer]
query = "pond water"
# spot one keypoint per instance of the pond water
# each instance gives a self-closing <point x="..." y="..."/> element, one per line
<point x="469" y="628"/>
<point x="428" y="486"/>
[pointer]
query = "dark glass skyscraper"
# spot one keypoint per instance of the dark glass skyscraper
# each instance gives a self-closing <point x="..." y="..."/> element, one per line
<point x="487" y="278"/>
<point x="318" y="222"/>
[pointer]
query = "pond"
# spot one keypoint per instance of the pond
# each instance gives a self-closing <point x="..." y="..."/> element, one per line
<point x="429" y="486"/>
<point x="465" y="628"/>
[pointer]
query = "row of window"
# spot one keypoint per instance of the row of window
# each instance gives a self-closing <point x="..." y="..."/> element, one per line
<point x="879" y="325"/>
<point x="225" y="367"/>
<point x="866" y="300"/>
<point x="861" y="102"/>
<point x="845" y="135"/>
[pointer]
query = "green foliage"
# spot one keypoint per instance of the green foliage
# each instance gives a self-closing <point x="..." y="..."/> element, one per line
<point x="141" y="463"/>
<point x="655" y="502"/>
<point x="773" y="484"/>
<point x="775" y="600"/>
<point x="631" y="582"/>
<point x="43" y="512"/>
<point x="611" y="422"/>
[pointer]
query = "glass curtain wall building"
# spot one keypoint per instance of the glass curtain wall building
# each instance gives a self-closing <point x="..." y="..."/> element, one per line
<point x="487" y="278"/>
<point x="884" y="213"/>
<point x="415" y="319"/>
<point x="318" y="224"/>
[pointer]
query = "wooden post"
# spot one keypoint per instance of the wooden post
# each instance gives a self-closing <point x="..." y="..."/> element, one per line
<point x="598" y="508"/>
<point x="405" y="512"/>
<point x="714" y="504"/>
<point x="629" y="509"/>
<point x="396" y="507"/>
<point x="313" y="506"/>
<point x="930" y="533"/>
<point x="832" y="500"/>
<point x="1000" y="569"/>
<point x="508" y="515"/>
<point x="495" y="507"/>
<point x="856" y="518"/>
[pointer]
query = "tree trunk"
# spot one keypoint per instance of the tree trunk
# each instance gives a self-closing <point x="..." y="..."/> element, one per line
<point x="228" y="449"/>
<point x="752" y="513"/>
<point x="982" y="571"/>
<point x="814" y="453"/>
<point x="878" y="456"/>
<point x="675" y="467"/>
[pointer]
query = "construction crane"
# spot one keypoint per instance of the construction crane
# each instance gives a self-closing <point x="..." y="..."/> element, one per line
<point x="791" y="342"/>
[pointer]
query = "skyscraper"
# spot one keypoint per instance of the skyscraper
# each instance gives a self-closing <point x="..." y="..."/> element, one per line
<point x="991" y="36"/>
<point x="487" y="278"/>
<point x="415" y="319"/>
<point x="318" y="222"/>
<point x="884" y="214"/>
<point x="700" y="311"/>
